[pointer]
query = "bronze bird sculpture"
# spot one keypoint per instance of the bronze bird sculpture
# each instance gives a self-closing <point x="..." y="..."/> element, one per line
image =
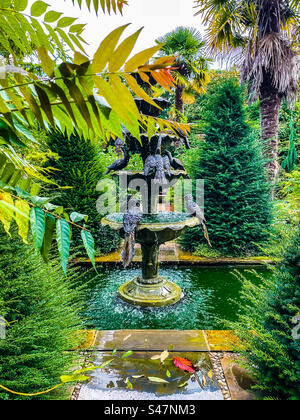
<point x="175" y="163"/>
<point x="119" y="164"/>
<point x="167" y="165"/>
<point x="160" y="177"/>
<point x="150" y="166"/>
<point x="119" y="145"/>
<point x="131" y="220"/>
<point x="195" y="210"/>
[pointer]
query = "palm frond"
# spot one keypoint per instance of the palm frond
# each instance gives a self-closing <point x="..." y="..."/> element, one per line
<point x="273" y="55"/>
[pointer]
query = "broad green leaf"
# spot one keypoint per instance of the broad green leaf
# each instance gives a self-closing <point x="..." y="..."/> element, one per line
<point x="121" y="54"/>
<point x="37" y="222"/>
<point x="89" y="244"/>
<point x="157" y="380"/>
<point x="48" y="237"/>
<point x="22" y="219"/>
<point x="80" y="58"/>
<point x="63" y="238"/>
<point x="168" y="373"/>
<point x="20" y="5"/>
<point x="127" y="354"/>
<point x="52" y="16"/>
<point x="106" y="49"/>
<point x="141" y="58"/>
<point x="48" y="65"/>
<point x="78" y="217"/>
<point x="38" y="8"/>
<point x="128" y="383"/>
<point x="65" y="21"/>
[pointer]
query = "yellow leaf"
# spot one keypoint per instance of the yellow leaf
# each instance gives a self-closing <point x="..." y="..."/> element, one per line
<point x="124" y="95"/>
<point x="22" y="219"/>
<point x="6" y="211"/>
<point x="132" y="83"/>
<point x="141" y="58"/>
<point x="157" y="357"/>
<point x="80" y="58"/>
<point x="48" y="65"/>
<point x="165" y="354"/>
<point x="204" y="381"/>
<point x="122" y="52"/>
<point x="210" y="374"/>
<point x="151" y="129"/>
<point x="106" y="49"/>
<point x="110" y="95"/>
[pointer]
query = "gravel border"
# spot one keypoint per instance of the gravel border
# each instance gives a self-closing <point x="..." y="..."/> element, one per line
<point x="219" y="373"/>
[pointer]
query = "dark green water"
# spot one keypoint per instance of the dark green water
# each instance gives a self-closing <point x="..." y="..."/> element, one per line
<point x="212" y="294"/>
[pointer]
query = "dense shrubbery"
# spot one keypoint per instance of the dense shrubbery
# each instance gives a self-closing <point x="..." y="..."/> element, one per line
<point x="237" y="196"/>
<point x="267" y="326"/>
<point x="81" y="166"/>
<point x="42" y="309"/>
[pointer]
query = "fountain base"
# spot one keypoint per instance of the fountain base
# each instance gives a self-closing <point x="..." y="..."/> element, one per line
<point x="163" y="293"/>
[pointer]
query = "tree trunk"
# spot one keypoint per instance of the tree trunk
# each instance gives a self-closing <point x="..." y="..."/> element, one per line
<point x="178" y="99"/>
<point x="270" y="103"/>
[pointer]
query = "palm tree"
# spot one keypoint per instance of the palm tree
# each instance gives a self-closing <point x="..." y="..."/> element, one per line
<point x="191" y="74"/>
<point x="262" y="36"/>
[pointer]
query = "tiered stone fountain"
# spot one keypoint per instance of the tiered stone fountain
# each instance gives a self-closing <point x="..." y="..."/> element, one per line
<point x="156" y="228"/>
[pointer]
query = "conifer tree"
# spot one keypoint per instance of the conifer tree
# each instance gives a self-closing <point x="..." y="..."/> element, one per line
<point x="237" y="195"/>
<point x="81" y="168"/>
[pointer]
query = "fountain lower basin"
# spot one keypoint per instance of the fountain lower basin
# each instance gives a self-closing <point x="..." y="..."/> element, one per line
<point x="150" y="289"/>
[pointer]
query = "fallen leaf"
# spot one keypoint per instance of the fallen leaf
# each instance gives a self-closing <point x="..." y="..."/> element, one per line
<point x="165" y="354"/>
<point x="210" y="374"/>
<point x="204" y="381"/>
<point x="127" y="338"/>
<point x="127" y="354"/>
<point x="183" y="385"/>
<point x="168" y="373"/>
<point x="138" y="376"/>
<point x="157" y="357"/>
<point x="114" y="352"/>
<point x="171" y="347"/>
<point x="184" y="364"/>
<point x="128" y="383"/>
<point x="158" y="380"/>
<point x="106" y="364"/>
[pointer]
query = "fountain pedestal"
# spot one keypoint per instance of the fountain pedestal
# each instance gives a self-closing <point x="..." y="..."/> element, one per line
<point x="150" y="289"/>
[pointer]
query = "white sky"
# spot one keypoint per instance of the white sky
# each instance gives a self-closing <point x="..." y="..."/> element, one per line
<point x="157" y="17"/>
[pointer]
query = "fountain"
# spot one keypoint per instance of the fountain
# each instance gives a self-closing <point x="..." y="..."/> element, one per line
<point x="156" y="228"/>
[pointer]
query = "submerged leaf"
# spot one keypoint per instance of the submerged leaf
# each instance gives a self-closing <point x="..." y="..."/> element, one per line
<point x="157" y="380"/>
<point x="184" y="364"/>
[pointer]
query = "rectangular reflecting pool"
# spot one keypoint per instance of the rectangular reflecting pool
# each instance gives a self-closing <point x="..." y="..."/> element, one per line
<point x="211" y="296"/>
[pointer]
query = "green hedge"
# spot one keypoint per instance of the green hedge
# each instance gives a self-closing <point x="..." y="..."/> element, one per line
<point x="42" y="309"/>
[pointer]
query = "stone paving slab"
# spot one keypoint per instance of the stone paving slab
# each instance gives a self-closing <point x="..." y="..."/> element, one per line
<point x="222" y="340"/>
<point x="109" y="383"/>
<point x="151" y="340"/>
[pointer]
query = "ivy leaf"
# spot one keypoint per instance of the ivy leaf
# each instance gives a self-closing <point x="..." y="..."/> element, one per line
<point x="37" y="221"/>
<point x="38" y="8"/>
<point x="63" y="238"/>
<point x="89" y="244"/>
<point x="48" y="237"/>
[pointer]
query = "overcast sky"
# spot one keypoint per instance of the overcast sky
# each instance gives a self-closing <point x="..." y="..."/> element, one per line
<point x="157" y="17"/>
